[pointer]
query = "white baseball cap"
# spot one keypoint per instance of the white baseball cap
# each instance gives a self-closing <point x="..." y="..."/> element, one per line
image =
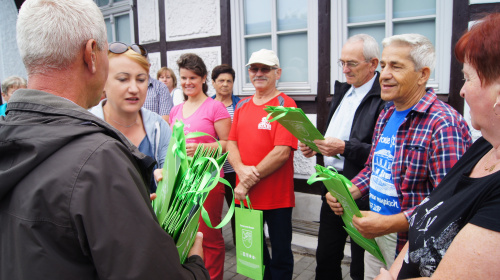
<point x="267" y="57"/>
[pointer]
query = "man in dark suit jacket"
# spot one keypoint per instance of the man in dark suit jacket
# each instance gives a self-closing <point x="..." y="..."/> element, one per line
<point x="354" y="110"/>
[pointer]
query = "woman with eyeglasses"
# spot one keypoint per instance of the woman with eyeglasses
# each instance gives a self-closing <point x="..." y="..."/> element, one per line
<point x="204" y="114"/>
<point x="167" y="76"/>
<point x="126" y="90"/>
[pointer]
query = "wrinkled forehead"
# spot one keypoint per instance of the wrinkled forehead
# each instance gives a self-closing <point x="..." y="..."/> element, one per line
<point x="396" y="53"/>
<point x="352" y="51"/>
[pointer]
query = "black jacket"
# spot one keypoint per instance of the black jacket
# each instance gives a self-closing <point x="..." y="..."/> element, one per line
<point x="73" y="199"/>
<point x="357" y="148"/>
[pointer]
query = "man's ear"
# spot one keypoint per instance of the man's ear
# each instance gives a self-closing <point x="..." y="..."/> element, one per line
<point x="373" y="64"/>
<point x="278" y="73"/>
<point x="90" y="55"/>
<point x="425" y="74"/>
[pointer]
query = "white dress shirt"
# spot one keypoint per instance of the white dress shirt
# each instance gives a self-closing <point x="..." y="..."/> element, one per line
<point x="341" y="122"/>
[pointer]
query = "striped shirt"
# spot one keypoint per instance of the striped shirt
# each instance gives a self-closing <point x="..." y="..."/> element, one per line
<point x="227" y="167"/>
<point x="429" y="142"/>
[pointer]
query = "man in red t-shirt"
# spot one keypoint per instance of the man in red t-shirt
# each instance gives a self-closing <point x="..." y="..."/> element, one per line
<point x="262" y="156"/>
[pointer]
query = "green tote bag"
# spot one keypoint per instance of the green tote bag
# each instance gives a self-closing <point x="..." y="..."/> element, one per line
<point x="249" y="241"/>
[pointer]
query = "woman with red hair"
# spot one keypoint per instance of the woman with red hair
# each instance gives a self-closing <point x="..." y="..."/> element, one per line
<point x="455" y="232"/>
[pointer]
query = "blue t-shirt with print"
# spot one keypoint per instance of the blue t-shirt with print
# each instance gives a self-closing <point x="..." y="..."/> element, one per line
<point x="383" y="194"/>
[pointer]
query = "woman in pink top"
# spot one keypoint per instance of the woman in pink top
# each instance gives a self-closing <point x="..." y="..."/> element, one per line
<point x="202" y="114"/>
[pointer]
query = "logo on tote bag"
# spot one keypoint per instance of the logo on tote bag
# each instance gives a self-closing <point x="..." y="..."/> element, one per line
<point x="247" y="237"/>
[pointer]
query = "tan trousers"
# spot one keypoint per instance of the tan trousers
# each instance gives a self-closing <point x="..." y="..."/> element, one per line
<point x="387" y="245"/>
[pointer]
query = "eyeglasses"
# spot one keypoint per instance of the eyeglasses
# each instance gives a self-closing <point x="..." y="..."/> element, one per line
<point x="264" y="70"/>
<point x="119" y="47"/>
<point x="348" y="64"/>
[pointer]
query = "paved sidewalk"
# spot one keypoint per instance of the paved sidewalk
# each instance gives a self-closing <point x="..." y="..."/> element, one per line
<point x="303" y="252"/>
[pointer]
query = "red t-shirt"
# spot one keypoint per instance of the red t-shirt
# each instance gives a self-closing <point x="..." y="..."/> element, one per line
<point x="256" y="138"/>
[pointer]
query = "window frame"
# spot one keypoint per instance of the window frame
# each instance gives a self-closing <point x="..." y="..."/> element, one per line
<point x="443" y="18"/>
<point x="116" y="9"/>
<point x="241" y="87"/>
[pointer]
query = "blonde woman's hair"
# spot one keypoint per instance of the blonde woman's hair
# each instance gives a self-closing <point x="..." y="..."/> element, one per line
<point x="13" y="81"/>
<point x="172" y="75"/>
<point x="134" y="56"/>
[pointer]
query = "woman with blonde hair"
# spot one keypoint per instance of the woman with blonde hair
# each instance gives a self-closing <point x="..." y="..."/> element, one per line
<point x="9" y="85"/>
<point x="167" y="76"/>
<point x="126" y="90"/>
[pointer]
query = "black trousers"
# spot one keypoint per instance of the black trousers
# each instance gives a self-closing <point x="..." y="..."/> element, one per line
<point x="278" y="262"/>
<point x="331" y="243"/>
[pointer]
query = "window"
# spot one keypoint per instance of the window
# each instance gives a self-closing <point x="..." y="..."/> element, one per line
<point x="289" y="27"/>
<point x="384" y="18"/>
<point x="118" y="18"/>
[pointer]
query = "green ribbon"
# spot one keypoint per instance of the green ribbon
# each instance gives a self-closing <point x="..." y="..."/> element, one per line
<point x="249" y="204"/>
<point x="175" y="165"/>
<point x="229" y="214"/>
<point x="330" y="171"/>
<point x="203" y="171"/>
<point x="179" y="140"/>
<point x="212" y="182"/>
<point x="276" y="109"/>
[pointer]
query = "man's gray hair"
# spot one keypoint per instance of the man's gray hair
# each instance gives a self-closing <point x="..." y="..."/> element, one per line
<point x="370" y="45"/>
<point x="422" y="51"/>
<point x="13" y="81"/>
<point x="51" y="33"/>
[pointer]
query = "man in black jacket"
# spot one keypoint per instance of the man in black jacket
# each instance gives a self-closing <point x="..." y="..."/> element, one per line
<point x="74" y="202"/>
<point x="353" y="112"/>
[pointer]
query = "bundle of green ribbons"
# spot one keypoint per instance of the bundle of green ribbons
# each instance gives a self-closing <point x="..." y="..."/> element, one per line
<point x="185" y="186"/>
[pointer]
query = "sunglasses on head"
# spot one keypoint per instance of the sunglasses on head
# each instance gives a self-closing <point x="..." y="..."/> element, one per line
<point x="119" y="47"/>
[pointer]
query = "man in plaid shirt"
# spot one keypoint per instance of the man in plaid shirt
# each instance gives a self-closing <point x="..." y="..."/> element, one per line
<point x="158" y="98"/>
<point x="417" y="139"/>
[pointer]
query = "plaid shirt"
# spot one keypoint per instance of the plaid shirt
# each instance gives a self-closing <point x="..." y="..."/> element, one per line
<point x="158" y="99"/>
<point x="429" y="142"/>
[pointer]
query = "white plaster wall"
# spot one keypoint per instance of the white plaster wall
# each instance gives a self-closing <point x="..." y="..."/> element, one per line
<point x="148" y="21"/>
<point x="211" y="56"/>
<point x="10" y="60"/>
<point x="191" y="19"/>
<point x="307" y="207"/>
<point x="304" y="167"/>
<point x="155" y="61"/>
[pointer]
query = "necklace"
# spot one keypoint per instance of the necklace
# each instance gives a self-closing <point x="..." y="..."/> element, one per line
<point x="126" y="126"/>
<point x="492" y="167"/>
<point x="107" y="115"/>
